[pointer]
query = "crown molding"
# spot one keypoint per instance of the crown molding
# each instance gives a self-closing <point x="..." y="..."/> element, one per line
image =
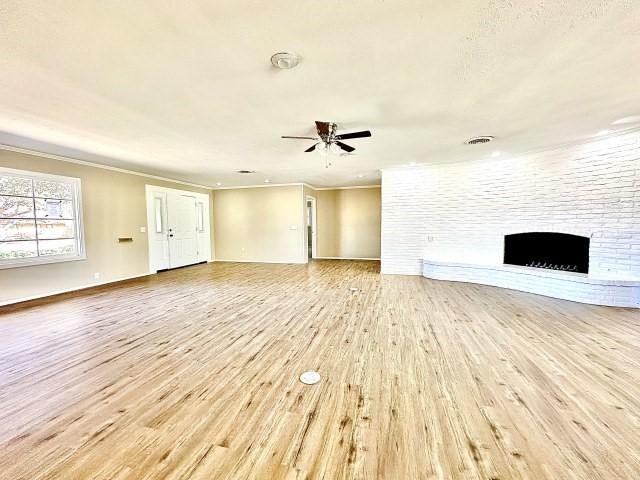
<point x="97" y="165"/>
<point x="85" y="163"/>
<point x="347" y="188"/>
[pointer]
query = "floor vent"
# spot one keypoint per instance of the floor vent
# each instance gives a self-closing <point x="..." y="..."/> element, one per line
<point x="310" y="378"/>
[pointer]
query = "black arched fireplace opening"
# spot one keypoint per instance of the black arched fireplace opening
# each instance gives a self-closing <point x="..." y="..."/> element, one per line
<point x="550" y="250"/>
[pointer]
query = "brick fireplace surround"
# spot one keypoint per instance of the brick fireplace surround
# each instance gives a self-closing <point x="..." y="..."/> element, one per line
<point x="448" y="221"/>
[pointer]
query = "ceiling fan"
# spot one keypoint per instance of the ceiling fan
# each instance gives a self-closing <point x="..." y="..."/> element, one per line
<point x="327" y="136"/>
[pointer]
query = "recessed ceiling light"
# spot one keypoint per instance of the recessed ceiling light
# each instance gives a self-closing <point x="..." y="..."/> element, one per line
<point x="479" y="140"/>
<point x="285" y="60"/>
<point x="218" y="184"/>
<point x="495" y="154"/>
<point x="626" y="120"/>
<point x="360" y="175"/>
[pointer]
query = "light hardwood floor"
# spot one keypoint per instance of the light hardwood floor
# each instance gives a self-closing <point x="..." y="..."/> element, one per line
<point x="194" y="374"/>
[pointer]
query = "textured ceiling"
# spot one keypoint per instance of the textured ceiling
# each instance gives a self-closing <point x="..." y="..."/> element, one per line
<point x="185" y="89"/>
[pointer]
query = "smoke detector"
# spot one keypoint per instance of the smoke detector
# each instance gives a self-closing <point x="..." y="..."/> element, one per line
<point x="285" y="60"/>
<point x="479" y="140"/>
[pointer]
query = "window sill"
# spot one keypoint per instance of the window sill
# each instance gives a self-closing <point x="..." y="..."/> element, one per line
<point x="31" y="262"/>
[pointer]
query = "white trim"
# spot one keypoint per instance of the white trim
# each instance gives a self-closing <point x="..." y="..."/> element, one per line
<point x="203" y="196"/>
<point x="72" y="289"/>
<point x="303" y="230"/>
<point x="96" y="165"/>
<point x="314" y="227"/>
<point x="295" y="184"/>
<point x="346" y="258"/>
<point x="33" y="261"/>
<point x="81" y="253"/>
<point x="61" y="158"/>
<point x="347" y="188"/>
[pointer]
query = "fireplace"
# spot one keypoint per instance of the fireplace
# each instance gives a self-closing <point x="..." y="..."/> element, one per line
<point x="555" y="251"/>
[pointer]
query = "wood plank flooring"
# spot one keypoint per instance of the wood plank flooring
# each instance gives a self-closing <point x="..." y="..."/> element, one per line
<point x="193" y="374"/>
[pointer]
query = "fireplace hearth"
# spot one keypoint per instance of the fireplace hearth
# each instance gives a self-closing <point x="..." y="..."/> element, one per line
<point x="549" y="250"/>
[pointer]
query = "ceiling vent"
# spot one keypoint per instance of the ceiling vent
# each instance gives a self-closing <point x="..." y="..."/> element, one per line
<point x="246" y="171"/>
<point x="479" y="140"/>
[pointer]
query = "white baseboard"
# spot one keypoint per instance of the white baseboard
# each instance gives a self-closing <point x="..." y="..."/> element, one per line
<point x="72" y="289"/>
<point x="345" y="258"/>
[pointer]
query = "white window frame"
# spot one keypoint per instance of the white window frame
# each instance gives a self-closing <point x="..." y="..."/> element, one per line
<point x="79" y="224"/>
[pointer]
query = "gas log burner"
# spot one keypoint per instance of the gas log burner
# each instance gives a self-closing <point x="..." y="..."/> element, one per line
<point x="549" y="250"/>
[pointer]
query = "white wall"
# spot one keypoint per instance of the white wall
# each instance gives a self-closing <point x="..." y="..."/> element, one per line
<point x="461" y="212"/>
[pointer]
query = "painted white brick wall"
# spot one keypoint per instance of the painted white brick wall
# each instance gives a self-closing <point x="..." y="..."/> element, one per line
<point x="461" y="212"/>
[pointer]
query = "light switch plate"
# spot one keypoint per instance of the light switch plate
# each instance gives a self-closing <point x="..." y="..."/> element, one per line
<point x="143" y="229"/>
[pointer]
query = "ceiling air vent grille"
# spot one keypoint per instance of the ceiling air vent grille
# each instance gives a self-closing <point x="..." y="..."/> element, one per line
<point x="246" y="171"/>
<point x="479" y="140"/>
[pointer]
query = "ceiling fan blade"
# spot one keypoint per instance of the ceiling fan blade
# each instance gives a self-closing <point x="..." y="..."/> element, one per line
<point x="302" y="138"/>
<point x="311" y="148"/>
<point x="345" y="147"/>
<point x="346" y="136"/>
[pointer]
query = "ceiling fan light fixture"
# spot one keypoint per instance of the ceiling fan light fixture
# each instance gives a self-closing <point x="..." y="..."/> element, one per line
<point x="285" y="60"/>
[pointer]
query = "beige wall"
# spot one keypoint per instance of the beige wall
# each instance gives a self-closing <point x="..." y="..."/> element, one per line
<point x="348" y="222"/>
<point x="114" y="206"/>
<point x="249" y="224"/>
<point x="259" y="224"/>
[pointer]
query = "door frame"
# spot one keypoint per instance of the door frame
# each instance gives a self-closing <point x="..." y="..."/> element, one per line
<point x="314" y="227"/>
<point x="207" y="227"/>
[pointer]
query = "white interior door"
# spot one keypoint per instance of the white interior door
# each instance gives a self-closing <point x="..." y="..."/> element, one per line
<point x="178" y="228"/>
<point x="183" y="236"/>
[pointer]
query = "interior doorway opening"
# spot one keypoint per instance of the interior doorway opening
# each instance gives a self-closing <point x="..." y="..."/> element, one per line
<point x="311" y="227"/>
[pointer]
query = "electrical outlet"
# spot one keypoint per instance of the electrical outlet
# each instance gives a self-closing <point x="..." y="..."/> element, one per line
<point x="143" y="229"/>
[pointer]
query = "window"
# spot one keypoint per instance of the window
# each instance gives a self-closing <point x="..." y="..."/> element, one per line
<point x="40" y="218"/>
<point x="199" y="216"/>
<point x="157" y="203"/>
